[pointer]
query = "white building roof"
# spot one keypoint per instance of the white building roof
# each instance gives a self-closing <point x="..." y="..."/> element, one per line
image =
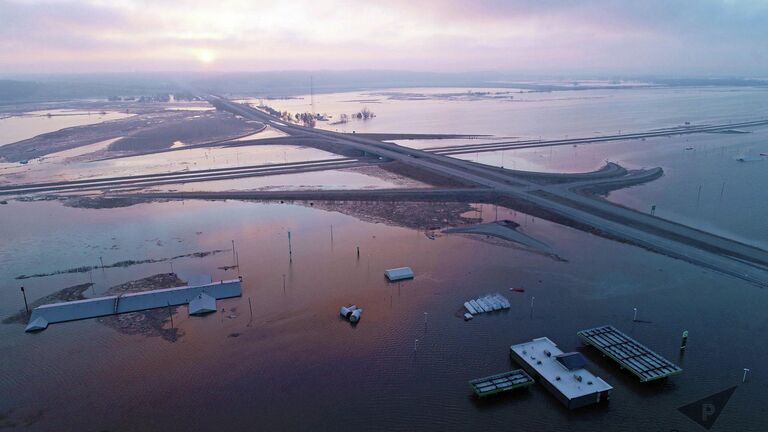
<point x="36" y="324"/>
<point x="399" y="273"/>
<point x="202" y="304"/>
<point x="534" y="353"/>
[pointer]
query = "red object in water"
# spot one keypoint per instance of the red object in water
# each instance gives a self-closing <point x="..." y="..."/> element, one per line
<point x="517" y="289"/>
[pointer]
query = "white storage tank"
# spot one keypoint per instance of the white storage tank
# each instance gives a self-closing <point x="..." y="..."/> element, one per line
<point x="355" y="316"/>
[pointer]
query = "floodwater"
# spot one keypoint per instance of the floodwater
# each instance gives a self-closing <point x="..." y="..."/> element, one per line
<point x="295" y="365"/>
<point x="69" y="164"/>
<point x="709" y="162"/>
<point x="533" y="115"/>
<point x="23" y="126"/>
<point x="350" y="178"/>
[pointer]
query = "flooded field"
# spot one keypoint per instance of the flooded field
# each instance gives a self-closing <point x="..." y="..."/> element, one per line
<point x="688" y="161"/>
<point x="17" y="127"/>
<point x="280" y="357"/>
<point x="532" y="114"/>
<point x="242" y="370"/>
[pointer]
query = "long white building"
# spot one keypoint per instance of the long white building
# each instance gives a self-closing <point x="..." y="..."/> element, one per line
<point x="563" y="374"/>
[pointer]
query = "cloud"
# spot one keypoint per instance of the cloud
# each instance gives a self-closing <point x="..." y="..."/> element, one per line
<point x="703" y="36"/>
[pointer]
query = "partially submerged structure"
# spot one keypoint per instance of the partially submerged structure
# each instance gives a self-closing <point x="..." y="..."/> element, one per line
<point x="629" y="353"/>
<point x="563" y="374"/>
<point x="352" y="313"/>
<point x="44" y="315"/>
<point x="202" y="304"/>
<point x="502" y="382"/>
<point x="399" y="273"/>
<point x="487" y="303"/>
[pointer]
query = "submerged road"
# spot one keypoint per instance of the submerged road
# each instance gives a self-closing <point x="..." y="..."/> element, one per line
<point x="556" y="202"/>
<point x="563" y="198"/>
<point x="321" y="141"/>
<point x="666" y="132"/>
<point x="146" y="180"/>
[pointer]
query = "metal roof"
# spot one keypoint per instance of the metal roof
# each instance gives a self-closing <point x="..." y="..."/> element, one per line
<point x="502" y="382"/>
<point x="540" y="355"/>
<point x="572" y="360"/>
<point x="131" y="302"/>
<point x="399" y="273"/>
<point x="629" y="353"/>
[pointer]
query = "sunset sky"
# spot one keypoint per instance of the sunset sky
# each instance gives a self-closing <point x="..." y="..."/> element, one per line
<point x="556" y="36"/>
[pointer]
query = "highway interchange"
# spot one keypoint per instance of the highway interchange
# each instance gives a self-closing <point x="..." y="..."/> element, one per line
<point x="563" y="198"/>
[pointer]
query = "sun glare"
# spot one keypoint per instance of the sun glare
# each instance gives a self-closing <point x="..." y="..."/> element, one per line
<point x="206" y="56"/>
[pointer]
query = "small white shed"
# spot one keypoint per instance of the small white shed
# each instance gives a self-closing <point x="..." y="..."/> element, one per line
<point x="37" y="324"/>
<point x="202" y="304"/>
<point x="399" y="273"/>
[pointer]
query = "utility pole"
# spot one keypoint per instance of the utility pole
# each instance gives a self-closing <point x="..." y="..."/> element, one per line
<point x="250" y="306"/>
<point x="684" y="341"/>
<point x="290" y="250"/>
<point x="312" y="95"/>
<point x="24" y="294"/>
<point x="698" y="196"/>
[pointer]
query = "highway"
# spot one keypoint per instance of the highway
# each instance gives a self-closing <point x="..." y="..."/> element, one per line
<point x="708" y="250"/>
<point x="564" y="198"/>
<point x="146" y="180"/>
<point x="322" y="141"/>
<point x="666" y="132"/>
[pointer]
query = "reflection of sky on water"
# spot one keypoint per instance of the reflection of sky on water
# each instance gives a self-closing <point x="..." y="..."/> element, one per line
<point x="31" y="124"/>
<point x="296" y="356"/>
<point x="313" y="180"/>
<point x="594" y="112"/>
<point x="51" y="168"/>
<point x="227" y="370"/>
<point x="533" y="115"/>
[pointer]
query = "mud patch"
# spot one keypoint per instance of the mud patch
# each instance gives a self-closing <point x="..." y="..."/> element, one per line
<point x="12" y="419"/>
<point x="427" y="216"/>
<point x="101" y="202"/>
<point x="506" y="233"/>
<point x="151" y="323"/>
<point x="67" y="294"/>
<point x="126" y="263"/>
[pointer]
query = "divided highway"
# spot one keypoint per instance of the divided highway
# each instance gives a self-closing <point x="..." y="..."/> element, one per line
<point x="725" y="255"/>
<point x="553" y="196"/>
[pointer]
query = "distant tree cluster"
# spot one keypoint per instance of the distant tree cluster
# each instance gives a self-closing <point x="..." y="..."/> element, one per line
<point x="310" y="120"/>
<point x="307" y="119"/>
<point x="186" y="96"/>
<point x="364" y="114"/>
<point x="160" y="97"/>
<point x="271" y="111"/>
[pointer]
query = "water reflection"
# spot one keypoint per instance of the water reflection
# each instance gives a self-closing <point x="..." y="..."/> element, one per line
<point x="296" y="352"/>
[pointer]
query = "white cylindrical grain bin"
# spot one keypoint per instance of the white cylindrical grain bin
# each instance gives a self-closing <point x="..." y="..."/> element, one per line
<point x="346" y="311"/>
<point x="355" y="317"/>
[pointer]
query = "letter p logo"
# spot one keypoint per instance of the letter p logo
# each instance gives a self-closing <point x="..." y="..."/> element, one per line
<point x="707" y="410"/>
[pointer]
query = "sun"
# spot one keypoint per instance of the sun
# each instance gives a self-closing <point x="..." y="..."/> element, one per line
<point x="206" y="56"/>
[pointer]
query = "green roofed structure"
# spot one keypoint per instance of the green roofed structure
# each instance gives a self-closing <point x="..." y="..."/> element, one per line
<point x="629" y="353"/>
